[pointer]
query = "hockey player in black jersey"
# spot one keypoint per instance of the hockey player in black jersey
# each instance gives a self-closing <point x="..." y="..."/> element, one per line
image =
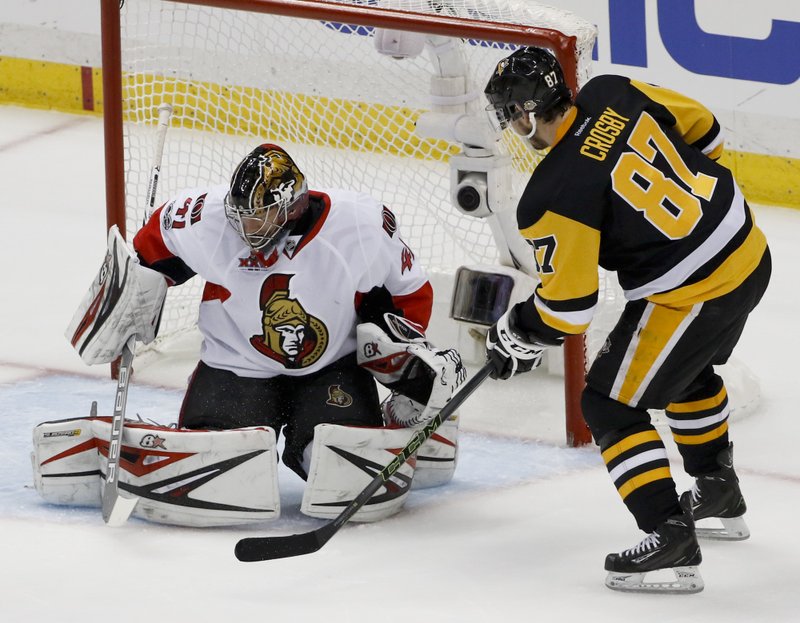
<point x="631" y="184"/>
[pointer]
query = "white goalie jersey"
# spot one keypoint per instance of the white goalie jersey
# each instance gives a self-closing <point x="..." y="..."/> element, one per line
<point x="295" y="311"/>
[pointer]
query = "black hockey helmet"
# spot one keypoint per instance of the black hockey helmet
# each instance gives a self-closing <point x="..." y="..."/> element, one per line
<point x="268" y="194"/>
<point x="528" y="81"/>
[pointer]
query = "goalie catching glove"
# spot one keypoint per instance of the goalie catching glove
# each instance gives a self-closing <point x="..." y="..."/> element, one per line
<point x="422" y="379"/>
<point x="511" y="350"/>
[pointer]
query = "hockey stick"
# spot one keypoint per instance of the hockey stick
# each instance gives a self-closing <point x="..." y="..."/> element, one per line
<point x="164" y="115"/>
<point x="116" y="506"/>
<point x="253" y="549"/>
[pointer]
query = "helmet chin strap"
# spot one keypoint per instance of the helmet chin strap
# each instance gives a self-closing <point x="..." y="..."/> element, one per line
<point x="532" y="120"/>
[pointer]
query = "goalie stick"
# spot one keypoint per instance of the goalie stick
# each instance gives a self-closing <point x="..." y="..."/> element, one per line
<point x="164" y="115"/>
<point x="253" y="549"/>
<point x="116" y="506"/>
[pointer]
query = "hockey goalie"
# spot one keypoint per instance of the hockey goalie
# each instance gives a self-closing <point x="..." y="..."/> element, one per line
<point x="309" y="298"/>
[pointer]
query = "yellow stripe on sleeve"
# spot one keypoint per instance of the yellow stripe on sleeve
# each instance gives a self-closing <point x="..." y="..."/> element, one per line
<point x="567" y="255"/>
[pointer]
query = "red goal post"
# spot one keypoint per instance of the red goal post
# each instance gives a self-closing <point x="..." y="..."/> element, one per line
<point x="488" y="25"/>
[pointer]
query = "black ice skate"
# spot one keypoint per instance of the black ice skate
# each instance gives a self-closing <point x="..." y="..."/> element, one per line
<point x="717" y="496"/>
<point x="670" y="553"/>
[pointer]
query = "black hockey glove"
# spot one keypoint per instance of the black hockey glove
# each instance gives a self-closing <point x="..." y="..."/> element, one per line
<point x="508" y="351"/>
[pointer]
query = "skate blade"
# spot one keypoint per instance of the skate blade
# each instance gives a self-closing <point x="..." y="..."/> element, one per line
<point x="732" y="529"/>
<point x="676" y="580"/>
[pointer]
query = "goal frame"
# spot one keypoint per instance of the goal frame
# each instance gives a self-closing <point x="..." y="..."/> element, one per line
<point x="563" y="46"/>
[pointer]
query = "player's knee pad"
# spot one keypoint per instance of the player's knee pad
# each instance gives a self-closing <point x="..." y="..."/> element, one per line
<point x="343" y="461"/>
<point x="182" y="477"/>
<point x="605" y="415"/>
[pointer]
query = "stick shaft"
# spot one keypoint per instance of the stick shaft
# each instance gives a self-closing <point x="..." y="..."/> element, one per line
<point x="112" y="513"/>
<point x="164" y="115"/>
<point x="117" y="508"/>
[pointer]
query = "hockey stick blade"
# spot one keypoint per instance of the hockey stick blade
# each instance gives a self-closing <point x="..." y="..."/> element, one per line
<point x="254" y="549"/>
<point x="120" y="511"/>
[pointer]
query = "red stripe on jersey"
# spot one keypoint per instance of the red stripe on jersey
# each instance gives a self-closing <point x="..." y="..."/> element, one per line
<point x="149" y="243"/>
<point x="309" y="236"/>
<point x="417" y="306"/>
<point x="214" y="292"/>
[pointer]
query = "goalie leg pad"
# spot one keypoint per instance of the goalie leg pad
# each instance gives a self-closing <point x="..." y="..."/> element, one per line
<point x="66" y="469"/>
<point x="193" y="478"/>
<point x="438" y="456"/>
<point x="198" y="478"/>
<point x="344" y="460"/>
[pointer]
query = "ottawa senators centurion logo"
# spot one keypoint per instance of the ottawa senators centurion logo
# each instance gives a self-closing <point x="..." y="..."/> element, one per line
<point x="291" y="336"/>
<point x="337" y="397"/>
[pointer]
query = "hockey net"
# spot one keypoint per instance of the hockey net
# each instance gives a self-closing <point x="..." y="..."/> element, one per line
<point x="307" y="75"/>
<point x="318" y="87"/>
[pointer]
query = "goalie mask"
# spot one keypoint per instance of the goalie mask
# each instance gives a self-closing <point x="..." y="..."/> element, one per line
<point x="524" y="85"/>
<point x="268" y="195"/>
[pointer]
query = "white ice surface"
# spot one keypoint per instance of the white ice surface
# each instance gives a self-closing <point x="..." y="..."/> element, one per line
<point x="520" y="535"/>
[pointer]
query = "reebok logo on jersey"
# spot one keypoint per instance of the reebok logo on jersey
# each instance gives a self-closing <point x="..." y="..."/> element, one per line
<point x="582" y="126"/>
<point x="603" y="134"/>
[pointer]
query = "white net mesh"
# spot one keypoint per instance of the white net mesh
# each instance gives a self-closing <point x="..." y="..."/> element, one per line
<point x="320" y="89"/>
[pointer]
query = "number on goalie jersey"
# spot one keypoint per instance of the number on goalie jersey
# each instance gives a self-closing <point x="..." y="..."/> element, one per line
<point x="290" y="273"/>
<point x="631" y="184"/>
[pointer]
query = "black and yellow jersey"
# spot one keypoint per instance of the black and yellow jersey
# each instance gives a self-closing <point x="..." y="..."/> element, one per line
<point x="631" y="184"/>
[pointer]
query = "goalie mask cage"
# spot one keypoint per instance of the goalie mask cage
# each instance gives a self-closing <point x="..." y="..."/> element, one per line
<point x="306" y="75"/>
